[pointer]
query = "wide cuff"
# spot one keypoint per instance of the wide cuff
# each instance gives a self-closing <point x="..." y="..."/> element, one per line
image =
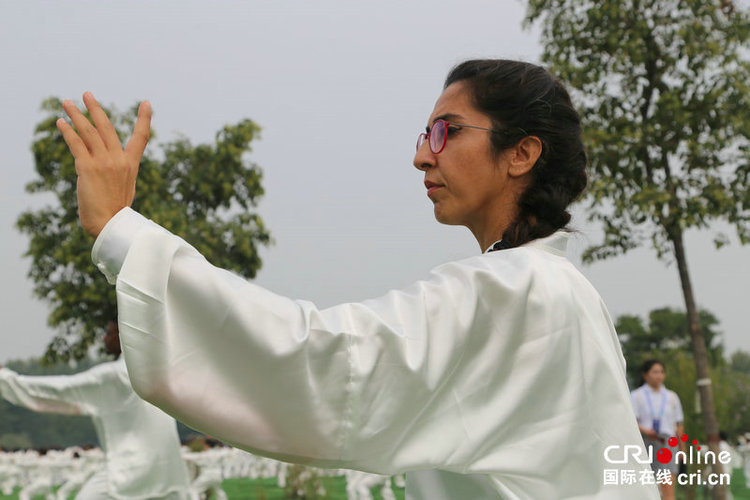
<point x="113" y="243"/>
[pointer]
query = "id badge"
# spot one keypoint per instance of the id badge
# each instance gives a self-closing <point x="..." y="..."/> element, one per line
<point x="656" y="425"/>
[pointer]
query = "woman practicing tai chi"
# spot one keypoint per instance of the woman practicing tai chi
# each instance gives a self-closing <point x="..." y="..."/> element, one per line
<point x="497" y="376"/>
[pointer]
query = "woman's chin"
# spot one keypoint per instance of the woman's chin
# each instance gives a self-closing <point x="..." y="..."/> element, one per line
<point x="444" y="217"/>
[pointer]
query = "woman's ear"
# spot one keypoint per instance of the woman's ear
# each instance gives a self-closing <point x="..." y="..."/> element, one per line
<point x="524" y="156"/>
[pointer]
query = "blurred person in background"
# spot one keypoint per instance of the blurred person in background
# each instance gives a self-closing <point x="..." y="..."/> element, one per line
<point x="140" y="442"/>
<point x="659" y="414"/>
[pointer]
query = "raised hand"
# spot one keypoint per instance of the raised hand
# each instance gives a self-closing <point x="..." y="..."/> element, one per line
<point x="106" y="171"/>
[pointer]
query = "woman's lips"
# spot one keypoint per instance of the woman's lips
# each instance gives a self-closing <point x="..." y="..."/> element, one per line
<point x="432" y="187"/>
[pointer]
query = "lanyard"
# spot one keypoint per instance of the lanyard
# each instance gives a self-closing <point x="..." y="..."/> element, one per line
<point x="650" y="406"/>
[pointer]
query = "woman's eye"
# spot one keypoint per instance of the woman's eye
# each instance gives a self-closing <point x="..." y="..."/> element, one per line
<point x="453" y="130"/>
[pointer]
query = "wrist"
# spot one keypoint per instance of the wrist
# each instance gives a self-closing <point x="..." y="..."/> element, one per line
<point x="114" y="240"/>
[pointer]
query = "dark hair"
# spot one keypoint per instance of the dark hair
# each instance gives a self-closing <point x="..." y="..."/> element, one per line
<point x="523" y="99"/>
<point x="646" y="367"/>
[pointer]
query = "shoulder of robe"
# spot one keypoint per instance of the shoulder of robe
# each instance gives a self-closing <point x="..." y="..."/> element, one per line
<point x="108" y="369"/>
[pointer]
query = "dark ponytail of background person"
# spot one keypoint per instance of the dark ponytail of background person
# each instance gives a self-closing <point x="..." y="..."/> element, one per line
<point x="523" y="99"/>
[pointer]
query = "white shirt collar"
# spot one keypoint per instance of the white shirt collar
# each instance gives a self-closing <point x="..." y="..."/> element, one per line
<point x="556" y="243"/>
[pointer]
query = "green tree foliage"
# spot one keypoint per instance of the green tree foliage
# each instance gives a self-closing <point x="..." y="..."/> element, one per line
<point x="204" y="193"/>
<point x="740" y="362"/>
<point x="664" y="331"/>
<point x="664" y="93"/>
<point x="663" y="89"/>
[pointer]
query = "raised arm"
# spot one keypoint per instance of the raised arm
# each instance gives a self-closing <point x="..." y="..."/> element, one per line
<point x="277" y="376"/>
<point x="418" y="378"/>
<point x="381" y="385"/>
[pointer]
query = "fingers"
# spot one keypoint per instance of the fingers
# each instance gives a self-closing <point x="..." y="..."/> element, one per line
<point x="104" y="127"/>
<point x="103" y="136"/>
<point x="86" y="130"/>
<point x="75" y="144"/>
<point x="137" y="143"/>
<point x="101" y="143"/>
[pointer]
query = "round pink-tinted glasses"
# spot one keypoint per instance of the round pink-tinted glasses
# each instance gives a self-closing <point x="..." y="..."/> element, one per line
<point x="438" y="134"/>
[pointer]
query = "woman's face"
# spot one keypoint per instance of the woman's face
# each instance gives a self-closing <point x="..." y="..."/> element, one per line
<point x="467" y="185"/>
<point x="655" y="375"/>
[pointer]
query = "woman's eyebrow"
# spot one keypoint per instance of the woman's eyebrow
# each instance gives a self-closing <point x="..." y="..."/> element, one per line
<point x="446" y="117"/>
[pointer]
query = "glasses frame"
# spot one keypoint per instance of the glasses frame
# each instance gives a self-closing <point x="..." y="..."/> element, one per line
<point x="427" y="136"/>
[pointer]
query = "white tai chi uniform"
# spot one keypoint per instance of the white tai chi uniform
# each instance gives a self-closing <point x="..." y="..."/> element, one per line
<point x="498" y="376"/>
<point x="140" y="442"/>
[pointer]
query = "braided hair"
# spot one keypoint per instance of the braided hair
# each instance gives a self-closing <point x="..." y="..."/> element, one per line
<point x="523" y="99"/>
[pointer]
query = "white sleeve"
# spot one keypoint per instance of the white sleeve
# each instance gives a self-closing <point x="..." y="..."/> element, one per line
<point x="365" y="384"/>
<point x="65" y="394"/>
<point x="437" y="375"/>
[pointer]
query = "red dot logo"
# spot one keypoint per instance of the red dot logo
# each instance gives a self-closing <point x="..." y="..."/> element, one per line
<point x="684" y="437"/>
<point x="664" y="455"/>
<point x="673" y="442"/>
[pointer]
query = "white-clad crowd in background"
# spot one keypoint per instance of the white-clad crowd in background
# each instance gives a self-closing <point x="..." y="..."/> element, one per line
<point x="57" y="474"/>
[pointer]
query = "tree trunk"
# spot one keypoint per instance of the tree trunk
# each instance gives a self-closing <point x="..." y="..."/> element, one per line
<point x="703" y="379"/>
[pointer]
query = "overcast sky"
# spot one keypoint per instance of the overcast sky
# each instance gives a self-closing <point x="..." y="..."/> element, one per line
<point x="341" y="89"/>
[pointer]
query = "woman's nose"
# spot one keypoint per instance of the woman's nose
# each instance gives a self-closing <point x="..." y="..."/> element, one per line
<point x="424" y="158"/>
